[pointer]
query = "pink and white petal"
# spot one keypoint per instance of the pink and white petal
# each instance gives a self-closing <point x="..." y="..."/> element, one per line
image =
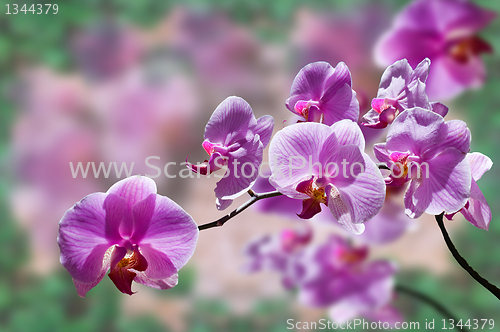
<point x="223" y="204"/>
<point x="133" y="189"/>
<point x="171" y="231"/>
<point x="422" y="70"/>
<point x="242" y="171"/>
<point x="82" y="238"/>
<point x="342" y="105"/>
<point x="395" y="79"/>
<point x="340" y="77"/>
<point x="363" y="193"/>
<point x="381" y="153"/>
<point x="117" y="212"/>
<point x="142" y="213"/>
<point x="416" y="130"/>
<point x="439" y="108"/>
<point x="479" y="164"/>
<point x="83" y="288"/>
<point x="292" y="148"/>
<point x="165" y="283"/>
<point x="231" y="119"/>
<point x="349" y="133"/>
<point x="478" y="212"/>
<point x="264" y="129"/>
<point x="415" y="96"/>
<point x="372" y="120"/>
<point x="415" y="208"/>
<point x="458" y="136"/>
<point x="446" y="185"/>
<point x="159" y="264"/>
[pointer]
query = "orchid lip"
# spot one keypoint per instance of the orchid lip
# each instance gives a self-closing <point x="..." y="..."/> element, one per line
<point x="302" y="107"/>
<point x="210" y="147"/>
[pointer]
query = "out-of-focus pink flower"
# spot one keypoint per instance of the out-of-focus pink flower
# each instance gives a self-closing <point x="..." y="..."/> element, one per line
<point x="390" y="223"/>
<point x="107" y="49"/>
<point x="144" y="118"/>
<point x="137" y="234"/>
<point x="276" y="253"/>
<point x="333" y="275"/>
<point x="339" y="276"/>
<point x="51" y="131"/>
<point x="445" y="31"/>
<point x="45" y="93"/>
<point x="222" y="53"/>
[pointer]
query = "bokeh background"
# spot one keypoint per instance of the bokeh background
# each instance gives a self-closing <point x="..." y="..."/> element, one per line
<point x="117" y="81"/>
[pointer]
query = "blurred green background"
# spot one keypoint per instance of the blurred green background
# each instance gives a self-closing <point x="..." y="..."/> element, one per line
<point x="32" y="301"/>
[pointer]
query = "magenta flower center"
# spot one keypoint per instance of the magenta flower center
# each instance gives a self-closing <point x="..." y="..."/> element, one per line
<point x="313" y="190"/>
<point x="350" y="255"/>
<point x="303" y="108"/>
<point x="462" y="50"/>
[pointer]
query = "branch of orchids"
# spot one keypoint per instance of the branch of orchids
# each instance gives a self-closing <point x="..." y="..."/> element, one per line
<point x="254" y="198"/>
<point x="430" y="301"/>
<point x="463" y="263"/>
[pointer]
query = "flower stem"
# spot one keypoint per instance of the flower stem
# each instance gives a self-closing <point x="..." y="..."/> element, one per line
<point x="463" y="263"/>
<point x="254" y="198"/>
<point x="430" y="301"/>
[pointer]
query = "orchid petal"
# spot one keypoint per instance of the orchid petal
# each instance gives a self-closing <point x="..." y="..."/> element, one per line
<point x="478" y="211"/>
<point x="133" y="189"/>
<point x="172" y="232"/>
<point x="479" y="164"/>
<point x="230" y="121"/>
<point x="82" y="239"/>
<point x="264" y="129"/>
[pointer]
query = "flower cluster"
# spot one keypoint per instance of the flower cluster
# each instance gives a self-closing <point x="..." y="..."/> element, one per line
<point x="333" y="274"/>
<point x="321" y="160"/>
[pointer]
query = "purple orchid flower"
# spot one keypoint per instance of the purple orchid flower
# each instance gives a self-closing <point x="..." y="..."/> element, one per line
<point x="141" y="236"/>
<point x="400" y="88"/>
<point x="339" y="276"/>
<point x="429" y="153"/>
<point x="322" y="164"/>
<point x="234" y="138"/>
<point x="445" y="31"/>
<point x="476" y="210"/>
<point x="321" y="93"/>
